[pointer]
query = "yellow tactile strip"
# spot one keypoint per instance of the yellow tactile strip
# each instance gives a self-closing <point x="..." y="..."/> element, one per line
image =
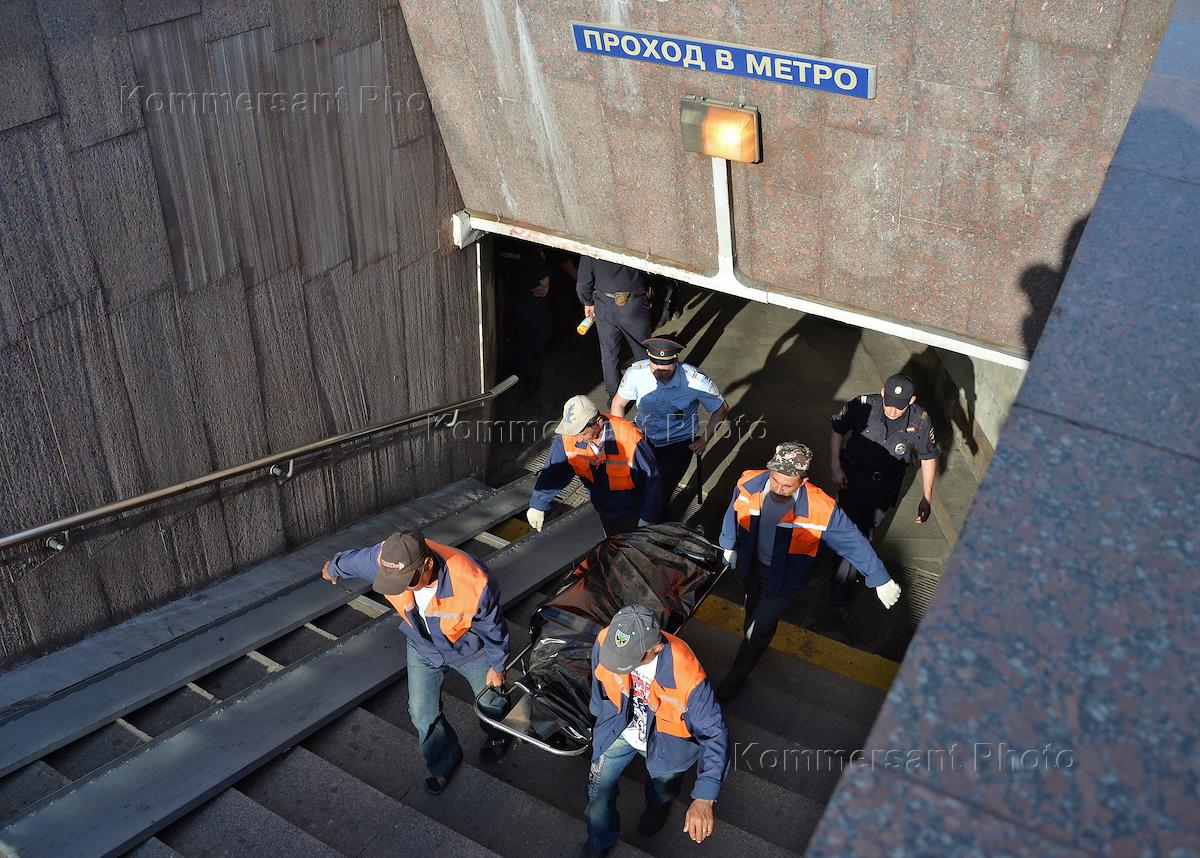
<point x="864" y="667"/>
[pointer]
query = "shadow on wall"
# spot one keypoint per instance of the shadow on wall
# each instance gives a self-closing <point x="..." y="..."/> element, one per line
<point x="1041" y="284"/>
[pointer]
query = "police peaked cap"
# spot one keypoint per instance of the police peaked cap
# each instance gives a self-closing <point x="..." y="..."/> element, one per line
<point x="662" y="349"/>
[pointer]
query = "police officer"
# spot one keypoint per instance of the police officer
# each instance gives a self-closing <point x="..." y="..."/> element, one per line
<point x="651" y="698"/>
<point x="668" y="396"/>
<point x="775" y="524"/>
<point x="886" y="431"/>
<point x="613" y="459"/>
<point x="615" y="296"/>
<point x="449" y="608"/>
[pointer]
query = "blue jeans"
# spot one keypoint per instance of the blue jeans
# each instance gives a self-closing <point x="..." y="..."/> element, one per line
<point x="604" y="780"/>
<point x="439" y="742"/>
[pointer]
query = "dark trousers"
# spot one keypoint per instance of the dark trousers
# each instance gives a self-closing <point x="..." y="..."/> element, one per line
<point x="763" y="612"/>
<point x="615" y="325"/>
<point x="439" y="742"/>
<point x="673" y="461"/>
<point x="866" y="502"/>
<point x="624" y="524"/>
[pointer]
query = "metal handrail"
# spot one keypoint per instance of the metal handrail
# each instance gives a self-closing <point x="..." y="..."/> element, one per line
<point x="65" y="525"/>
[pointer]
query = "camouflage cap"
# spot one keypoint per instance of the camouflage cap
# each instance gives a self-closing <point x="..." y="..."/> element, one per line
<point x="791" y="458"/>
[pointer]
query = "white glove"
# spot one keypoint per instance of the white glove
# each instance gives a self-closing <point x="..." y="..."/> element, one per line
<point x="730" y="558"/>
<point x="536" y="518"/>
<point x="888" y="593"/>
<point x="643" y="523"/>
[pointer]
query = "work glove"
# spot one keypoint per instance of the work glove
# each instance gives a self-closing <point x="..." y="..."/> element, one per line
<point x="730" y="558"/>
<point x="923" y="511"/>
<point x="888" y="593"/>
<point x="643" y="523"/>
<point x="536" y="518"/>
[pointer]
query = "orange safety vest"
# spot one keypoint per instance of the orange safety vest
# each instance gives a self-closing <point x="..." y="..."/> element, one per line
<point x="617" y="466"/>
<point x="667" y="704"/>
<point x="467" y="580"/>
<point x="806" y="530"/>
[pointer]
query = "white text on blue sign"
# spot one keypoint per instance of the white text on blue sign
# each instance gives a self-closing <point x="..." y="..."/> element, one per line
<point x="837" y="76"/>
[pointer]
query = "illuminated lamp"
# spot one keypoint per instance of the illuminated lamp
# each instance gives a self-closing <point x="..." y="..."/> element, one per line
<point x="721" y="129"/>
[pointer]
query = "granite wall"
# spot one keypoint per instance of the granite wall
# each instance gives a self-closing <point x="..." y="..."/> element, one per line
<point x="219" y="241"/>
<point x="946" y="201"/>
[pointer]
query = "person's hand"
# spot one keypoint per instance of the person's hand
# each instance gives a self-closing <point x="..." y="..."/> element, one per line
<point x="698" y="823"/>
<point x="536" y="518"/>
<point x="326" y="574"/>
<point x="888" y="593"/>
<point x="730" y="556"/>
<point x="698" y="445"/>
<point x="923" y="511"/>
<point x="495" y="678"/>
<point x="589" y="310"/>
<point x="839" y="476"/>
<point x="540" y="290"/>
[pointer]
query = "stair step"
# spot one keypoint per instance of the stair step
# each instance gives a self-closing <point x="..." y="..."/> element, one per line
<point x="342" y="621"/>
<point x="153" y="848"/>
<point x="27" y="785"/>
<point x="233" y="825"/>
<point x="476" y="804"/>
<point x="794" y="677"/>
<point x="561" y="782"/>
<point x="294" y="646"/>
<point x="237" y="676"/>
<point x="95" y="750"/>
<point x="169" y="711"/>
<point x="347" y="814"/>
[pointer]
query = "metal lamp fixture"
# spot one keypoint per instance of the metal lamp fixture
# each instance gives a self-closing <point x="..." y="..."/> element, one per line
<point x="721" y="129"/>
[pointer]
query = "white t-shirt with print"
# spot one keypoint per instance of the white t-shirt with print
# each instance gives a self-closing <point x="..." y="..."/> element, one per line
<point x="639" y="724"/>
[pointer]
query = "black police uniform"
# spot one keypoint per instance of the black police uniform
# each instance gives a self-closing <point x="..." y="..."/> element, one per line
<point x="618" y="293"/>
<point x="875" y="457"/>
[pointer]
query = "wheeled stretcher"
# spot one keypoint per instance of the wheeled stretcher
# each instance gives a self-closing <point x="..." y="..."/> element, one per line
<point x="669" y="567"/>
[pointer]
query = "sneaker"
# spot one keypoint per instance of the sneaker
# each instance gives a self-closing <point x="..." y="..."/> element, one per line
<point x="653" y="819"/>
<point x="436" y="784"/>
<point x="729" y="689"/>
<point x="494" y="751"/>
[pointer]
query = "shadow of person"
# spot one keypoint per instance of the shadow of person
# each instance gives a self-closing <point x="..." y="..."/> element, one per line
<point x="713" y="315"/>
<point x="1041" y="283"/>
<point x="790" y="397"/>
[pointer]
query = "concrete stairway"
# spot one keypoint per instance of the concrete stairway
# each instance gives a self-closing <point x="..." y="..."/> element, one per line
<point x="247" y="759"/>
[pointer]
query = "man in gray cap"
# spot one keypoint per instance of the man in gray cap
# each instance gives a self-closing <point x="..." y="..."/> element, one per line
<point x="886" y="432"/>
<point x="651" y="697"/>
<point x="449" y="607"/>
<point x="613" y="459"/>
<point x="774" y="525"/>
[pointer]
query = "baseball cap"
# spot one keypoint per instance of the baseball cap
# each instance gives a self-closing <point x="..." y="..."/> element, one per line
<point x="791" y="458"/>
<point x="578" y="412"/>
<point x="633" y="632"/>
<point x="898" y="390"/>
<point x="400" y="560"/>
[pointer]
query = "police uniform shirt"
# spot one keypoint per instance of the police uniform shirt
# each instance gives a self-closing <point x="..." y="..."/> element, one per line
<point x="879" y="444"/>
<point x="608" y="278"/>
<point x="668" y="413"/>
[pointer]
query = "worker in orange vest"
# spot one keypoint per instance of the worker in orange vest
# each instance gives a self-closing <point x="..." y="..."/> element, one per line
<point x="651" y="697"/>
<point x="774" y="525"/>
<point x="613" y="459"/>
<point x="449" y="607"/>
